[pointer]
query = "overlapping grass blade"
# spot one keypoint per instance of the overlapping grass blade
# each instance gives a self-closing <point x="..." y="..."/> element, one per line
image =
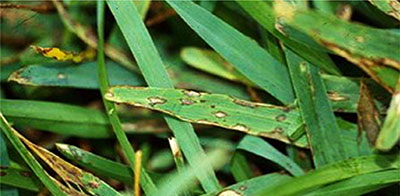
<point x="76" y="76"/>
<point x="263" y="13"/>
<point x="230" y="43"/>
<point x="322" y="129"/>
<point x="373" y="50"/>
<point x="155" y="74"/>
<point x="19" y="178"/>
<point x="343" y="92"/>
<point x="214" y="109"/>
<point x="390" y="132"/>
<point x="262" y="148"/>
<point x="359" y="185"/>
<point x="145" y="181"/>
<point x="43" y="176"/>
<point x="332" y="173"/>
<point x="389" y="7"/>
<point x="57" y="117"/>
<point x="240" y="168"/>
<point x="253" y="185"/>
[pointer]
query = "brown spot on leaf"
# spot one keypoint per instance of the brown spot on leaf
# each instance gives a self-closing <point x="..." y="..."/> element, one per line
<point x="186" y="102"/>
<point x="94" y="184"/>
<point x="241" y="127"/>
<point x="242" y="188"/>
<point x="25" y="173"/>
<point x="280" y="118"/>
<point x="360" y="39"/>
<point x="279" y="130"/>
<point x="244" y="103"/>
<point x="335" y="96"/>
<point x="192" y="93"/>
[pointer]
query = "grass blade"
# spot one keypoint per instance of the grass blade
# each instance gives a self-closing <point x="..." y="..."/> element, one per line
<point x="29" y="159"/>
<point x="253" y="185"/>
<point x="248" y="62"/>
<point x="155" y="74"/>
<point x="76" y="76"/>
<point x="213" y="109"/>
<point x="262" y="148"/>
<point x="373" y="50"/>
<point x="390" y="7"/>
<point x="145" y="180"/>
<point x="263" y="13"/>
<point x="56" y="117"/>
<point x="322" y="129"/>
<point x="19" y="178"/>
<point x="332" y="173"/>
<point x="359" y="185"/>
<point x="390" y="132"/>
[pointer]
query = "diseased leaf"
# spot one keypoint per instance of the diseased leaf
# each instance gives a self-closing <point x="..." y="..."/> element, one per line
<point x="61" y="55"/>
<point x="368" y="117"/>
<point x="390" y="7"/>
<point x="250" y="61"/>
<point x="214" y="109"/>
<point x="373" y="50"/>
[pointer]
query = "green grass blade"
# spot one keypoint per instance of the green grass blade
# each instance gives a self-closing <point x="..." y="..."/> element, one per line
<point x="322" y="129"/>
<point x="373" y="50"/>
<point x="359" y="185"/>
<point x="99" y="165"/>
<point x="252" y="186"/>
<point x="263" y="13"/>
<point x="239" y="167"/>
<point x="76" y="76"/>
<point x="19" y="178"/>
<point x="389" y="7"/>
<point x="56" y="117"/>
<point x="332" y="173"/>
<point x="155" y="74"/>
<point x="214" y="109"/>
<point x="253" y="61"/>
<point x="262" y="148"/>
<point x="390" y="132"/>
<point x="177" y="183"/>
<point x="343" y="92"/>
<point x="50" y="184"/>
<point x="145" y="180"/>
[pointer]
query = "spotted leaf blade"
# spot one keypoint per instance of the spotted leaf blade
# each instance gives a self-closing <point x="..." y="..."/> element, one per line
<point x="215" y="109"/>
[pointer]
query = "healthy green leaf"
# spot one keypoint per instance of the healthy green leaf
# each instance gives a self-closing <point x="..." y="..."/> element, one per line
<point x="332" y="173"/>
<point x="262" y="148"/>
<point x="57" y="117"/>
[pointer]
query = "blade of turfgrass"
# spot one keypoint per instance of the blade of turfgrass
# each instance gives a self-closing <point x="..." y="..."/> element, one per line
<point x="214" y="109"/>
<point x="359" y="185"/>
<point x="56" y="117"/>
<point x="76" y="76"/>
<point x="253" y="62"/>
<point x="179" y="162"/>
<point x="70" y="173"/>
<point x="251" y="186"/>
<point x="263" y="13"/>
<point x="373" y="50"/>
<point x="19" y="178"/>
<point x="145" y="180"/>
<point x="321" y="126"/>
<point x="390" y="132"/>
<point x="240" y="167"/>
<point x="99" y="165"/>
<point x="155" y="74"/>
<point x="389" y="7"/>
<point x="343" y="92"/>
<point x="5" y="165"/>
<point x="332" y="173"/>
<point x="262" y="148"/>
<point x="50" y="184"/>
